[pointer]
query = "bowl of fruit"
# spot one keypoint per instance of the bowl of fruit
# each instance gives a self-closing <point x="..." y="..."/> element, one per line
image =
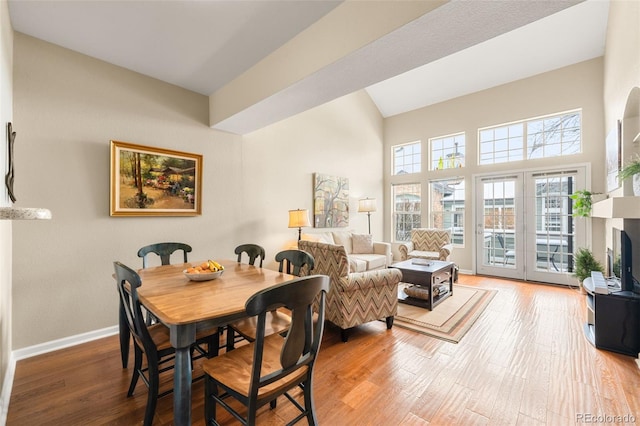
<point x="209" y="270"/>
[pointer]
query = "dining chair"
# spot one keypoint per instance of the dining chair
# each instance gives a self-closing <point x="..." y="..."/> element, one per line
<point x="152" y="341"/>
<point x="277" y="321"/>
<point x="296" y="258"/>
<point x="257" y="373"/>
<point x="164" y="250"/>
<point x="253" y="251"/>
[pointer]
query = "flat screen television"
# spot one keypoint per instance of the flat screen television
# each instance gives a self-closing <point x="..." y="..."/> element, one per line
<point x="622" y="258"/>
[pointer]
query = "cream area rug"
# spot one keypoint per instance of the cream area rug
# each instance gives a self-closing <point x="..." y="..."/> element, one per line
<point x="451" y="319"/>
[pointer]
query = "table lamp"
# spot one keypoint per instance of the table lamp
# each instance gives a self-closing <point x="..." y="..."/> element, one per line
<point x="367" y="205"/>
<point x="297" y="219"/>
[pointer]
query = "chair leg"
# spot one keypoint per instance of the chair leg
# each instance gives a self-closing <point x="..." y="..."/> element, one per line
<point x="210" y="388"/>
<point x="136" y="370"/>
<point x="389" y="321"/>
<point x="152" y="397"/>
<point x="125" y="336"/>
<point x="230" y="339"/>
<point x="308" y="402"/>
<point x="213" y="345"/>
<point x="344" y="334"/>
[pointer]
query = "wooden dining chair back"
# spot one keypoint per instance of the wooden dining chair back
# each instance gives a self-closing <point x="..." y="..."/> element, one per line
<point x="297" y="259"/>
<point x="257" y="373"/>
<point x="164" y="250"/>
<point x="254" y="251"/>
<point x="244" y="329"/>
<point x="152" y="341"/>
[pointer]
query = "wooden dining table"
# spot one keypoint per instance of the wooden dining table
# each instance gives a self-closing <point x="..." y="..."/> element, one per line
<point x="182" y="305"/>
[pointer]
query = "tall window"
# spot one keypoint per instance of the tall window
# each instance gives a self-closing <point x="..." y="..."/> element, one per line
<point x="550" y="136"/>
<point x="447" y="152"/>
<point x="447" y="207"/>
<point x="406" y="210"/>
<point x="407" y="158"/>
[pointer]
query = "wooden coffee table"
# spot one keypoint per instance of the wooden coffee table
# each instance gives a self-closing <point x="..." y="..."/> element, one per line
<point x="425" y="273"/>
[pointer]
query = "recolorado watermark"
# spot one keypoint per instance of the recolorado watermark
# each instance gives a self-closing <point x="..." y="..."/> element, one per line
<point x="604" y="418"/>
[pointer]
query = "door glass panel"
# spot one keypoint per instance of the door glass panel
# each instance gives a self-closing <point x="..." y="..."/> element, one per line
<point x="499" y="222"/>
<point x="554" y="223"/>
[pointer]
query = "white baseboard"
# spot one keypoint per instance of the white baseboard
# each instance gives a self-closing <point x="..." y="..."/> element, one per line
<point x="42" y="348"/>
<point x="65" y="342"/>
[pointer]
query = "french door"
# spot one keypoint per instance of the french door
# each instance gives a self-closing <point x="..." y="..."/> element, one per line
<point x="524" y="224"/>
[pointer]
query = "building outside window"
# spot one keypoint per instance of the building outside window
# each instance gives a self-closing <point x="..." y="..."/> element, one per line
<point x="447" y="152"/>
<point x="447" y="207"/>
<point x="407" y="158"/>
<point x="406" y="210"/>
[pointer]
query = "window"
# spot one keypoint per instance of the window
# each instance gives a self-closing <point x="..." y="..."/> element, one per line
<point x="447" y="207"/>
<point x="406" y="210"/>
<point x="550" y="136"/>
<point x="447" y="152"/>
<point x="407" y="158"/>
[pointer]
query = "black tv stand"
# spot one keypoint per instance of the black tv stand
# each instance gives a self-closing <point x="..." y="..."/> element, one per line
<point x="613" y="318"/>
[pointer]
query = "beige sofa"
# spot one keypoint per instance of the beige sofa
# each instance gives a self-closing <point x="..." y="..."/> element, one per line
<point x="363" y="253"/>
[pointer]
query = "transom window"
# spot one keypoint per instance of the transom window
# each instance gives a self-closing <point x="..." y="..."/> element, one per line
<point x="406" y="210"/>
<point x="447" y="152"/>
<point x="550" y="136"/>
<point x="447" y="207"/>
<point x="407" y="158"/>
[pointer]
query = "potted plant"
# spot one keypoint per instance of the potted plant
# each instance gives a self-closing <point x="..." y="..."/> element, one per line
<point x="632" y="169"/>
<point x="583" y="263"/>
<point x="582" y="203"/>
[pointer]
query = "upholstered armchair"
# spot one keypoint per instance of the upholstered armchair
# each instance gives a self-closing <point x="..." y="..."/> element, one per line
<point x="354" y="298"/>
<point x="427" y="243"/>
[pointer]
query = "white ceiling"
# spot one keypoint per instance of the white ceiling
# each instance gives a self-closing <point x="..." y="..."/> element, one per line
<point x="202" y="45"/>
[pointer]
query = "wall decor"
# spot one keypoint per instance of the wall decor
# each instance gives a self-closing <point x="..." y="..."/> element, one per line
<point x="8" y="180"/>
<point x="148" y="181"/>
<point x="331" y="201"/>
<point x="614" y="155"/>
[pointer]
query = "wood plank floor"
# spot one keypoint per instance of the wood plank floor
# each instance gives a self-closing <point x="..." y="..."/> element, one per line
<point x="524" y="362"/>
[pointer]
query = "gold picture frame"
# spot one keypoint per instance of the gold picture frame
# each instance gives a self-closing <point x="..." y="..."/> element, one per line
<point x="147" y="181"/>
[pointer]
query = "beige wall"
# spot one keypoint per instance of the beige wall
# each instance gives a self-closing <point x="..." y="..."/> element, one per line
<point x="577" y="86"/>
<point x="6" y="115"/>
<point x="67" y="108"/>
<point x="621" y="77"/>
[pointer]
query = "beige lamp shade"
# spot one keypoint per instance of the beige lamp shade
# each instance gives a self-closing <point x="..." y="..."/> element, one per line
<point x="367" y="205"/>
<point x="299" y="218"/>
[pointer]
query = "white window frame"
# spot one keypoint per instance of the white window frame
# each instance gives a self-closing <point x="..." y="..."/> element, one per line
<point x="395" y="212"/>
<point x="456" y="215"/>
<point x="415" y="163"/>
<point x="514" y="142"/>
<point x="447" y="152"/>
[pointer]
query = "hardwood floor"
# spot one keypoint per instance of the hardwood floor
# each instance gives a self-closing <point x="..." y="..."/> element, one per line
<point x="525" y="361"/>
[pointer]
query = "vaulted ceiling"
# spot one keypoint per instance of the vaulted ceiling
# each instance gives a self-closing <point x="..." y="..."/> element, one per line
<point x="262" y="61"/>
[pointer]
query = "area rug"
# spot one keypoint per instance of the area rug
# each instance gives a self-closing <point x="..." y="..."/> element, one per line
<point x="451" y="319"/>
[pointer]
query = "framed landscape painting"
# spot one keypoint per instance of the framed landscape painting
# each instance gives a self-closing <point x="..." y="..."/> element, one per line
<point x="148" y="181"/>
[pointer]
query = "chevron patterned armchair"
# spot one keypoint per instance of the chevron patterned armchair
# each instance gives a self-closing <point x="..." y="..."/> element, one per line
<point x="428" y="243"/>
<point x="354" y="298"/>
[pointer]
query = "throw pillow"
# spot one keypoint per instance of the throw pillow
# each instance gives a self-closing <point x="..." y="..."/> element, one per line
<point x="362" y="243"/>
